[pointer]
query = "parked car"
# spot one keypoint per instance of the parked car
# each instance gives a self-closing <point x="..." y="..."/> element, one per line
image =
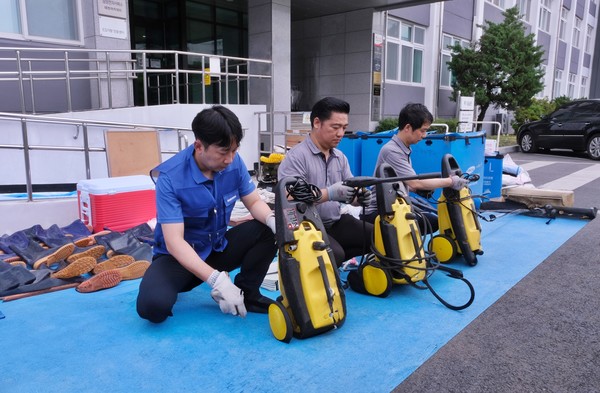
<point x="574" y="126"/>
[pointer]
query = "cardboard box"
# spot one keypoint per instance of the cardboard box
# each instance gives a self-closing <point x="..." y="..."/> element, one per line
<point x="536" y="197"/>
<point x="116" y="203"/>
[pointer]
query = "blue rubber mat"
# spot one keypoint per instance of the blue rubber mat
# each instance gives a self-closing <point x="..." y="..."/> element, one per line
<point x="66" y="341"/>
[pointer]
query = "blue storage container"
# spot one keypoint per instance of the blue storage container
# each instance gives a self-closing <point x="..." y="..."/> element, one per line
<point x="350" y="145"/>
<point x="370" y="147"/>
<point x="468" y="148"/>
<point x="492" y="176"/>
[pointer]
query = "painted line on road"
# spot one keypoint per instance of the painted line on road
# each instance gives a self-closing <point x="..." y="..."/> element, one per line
<point x="536" y="164"/>
<point x="575" y="179"/>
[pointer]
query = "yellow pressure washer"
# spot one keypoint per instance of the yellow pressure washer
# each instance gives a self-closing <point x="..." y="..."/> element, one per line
<point x="459" y="228"/>
<point x="312" y="298"/>
<point x="397" y="252"/>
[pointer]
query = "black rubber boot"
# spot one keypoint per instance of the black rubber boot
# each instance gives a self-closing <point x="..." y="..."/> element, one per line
<point x="18" y="239"/>
<point x="77" y="229"/>
<point x="106" y="239"/>
<point x="143" y="233"/>
<point x="95" y="251"/>
<point x="53" y="237"/>
<point x="128" y="244"/>
<point x="36" y="256"/>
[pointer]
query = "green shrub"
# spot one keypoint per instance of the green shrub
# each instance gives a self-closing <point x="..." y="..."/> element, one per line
<point x="535" y="111"/>
<point x="386" y="124"/>
<point x="451" y="123"/>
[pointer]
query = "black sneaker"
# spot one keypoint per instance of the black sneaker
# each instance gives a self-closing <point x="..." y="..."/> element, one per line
<point x="258" y="305"/>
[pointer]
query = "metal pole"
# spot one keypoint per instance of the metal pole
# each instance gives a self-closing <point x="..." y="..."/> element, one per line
<point x="109" y="80"/>
<point x="176" y="99"/>
<point x="68" y="83"/>
<point x="145" y="73"/>
<point x="86" y="151"/>
<point x="227" y="81"/>
<point x="28" y="184"/>
<point x="20" y="76"/>
<point x="31" y="87"/>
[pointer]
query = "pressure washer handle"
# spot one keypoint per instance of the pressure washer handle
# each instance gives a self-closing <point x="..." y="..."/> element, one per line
<point x="365" y="181"/>
<point x="572" y="211"/>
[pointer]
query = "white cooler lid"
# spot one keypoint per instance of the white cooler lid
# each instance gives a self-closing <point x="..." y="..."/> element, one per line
<point x="114" y="185"/>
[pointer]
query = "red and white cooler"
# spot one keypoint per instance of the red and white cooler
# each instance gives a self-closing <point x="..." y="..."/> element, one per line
<point x="116" y="203"/>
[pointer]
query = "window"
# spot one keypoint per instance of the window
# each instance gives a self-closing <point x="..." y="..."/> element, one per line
<point x="540" y="95"/>
<point x="524" y="9"/>
<point x="588" y="39"/>
<point x="576" y="33"/>
<point x="404" y="52"/>
<point x="562" y="29"/>
<point x="446" y="77"/>
<point x="557" y="83"/>
<point x="497" y="3"/>
<point x="45" y="20"/>
<point x="571" y="85"/>
<point x="544" y="20"/>
<point x="583" y="87"/>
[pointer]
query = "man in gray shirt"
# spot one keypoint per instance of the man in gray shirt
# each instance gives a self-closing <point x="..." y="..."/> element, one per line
<point x="317" y="161"/>
<point x="414" y="121"/>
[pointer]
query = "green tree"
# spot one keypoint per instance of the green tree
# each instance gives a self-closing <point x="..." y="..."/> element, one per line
<point x="502" y="69"/>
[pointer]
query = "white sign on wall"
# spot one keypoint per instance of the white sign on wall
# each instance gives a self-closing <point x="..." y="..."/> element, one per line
<point x="116" y="8"/>
<point x="467" y="103"/>
<point x="113" y="27"/>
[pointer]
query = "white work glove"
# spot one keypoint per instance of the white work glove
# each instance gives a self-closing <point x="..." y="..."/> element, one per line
<point x="270" y="222"/>
<point x="458" y="183"/>
<point x="340" y="192"/>
<point x="364" y="197"/>
<point x="229" y="297"/>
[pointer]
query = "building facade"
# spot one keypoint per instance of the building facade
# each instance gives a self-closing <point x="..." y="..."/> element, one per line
<point x="374" y="57"/>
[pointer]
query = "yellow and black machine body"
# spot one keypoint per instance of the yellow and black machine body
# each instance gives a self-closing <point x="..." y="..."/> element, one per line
<point x="398" y="255"/>
<point x="312" y="298"/>
<point x="459" y="227"/>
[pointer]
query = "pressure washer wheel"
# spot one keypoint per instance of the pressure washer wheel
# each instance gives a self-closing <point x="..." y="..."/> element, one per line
<point x="280" y="322"/>
<point x="375" y="280"/>
<point x="443" y="247"/>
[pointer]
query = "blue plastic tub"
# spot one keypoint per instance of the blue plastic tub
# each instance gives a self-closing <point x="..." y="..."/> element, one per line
<point x="370" y="147"/>
<point x="468" y="148"/>
<point x="350" y="145"/>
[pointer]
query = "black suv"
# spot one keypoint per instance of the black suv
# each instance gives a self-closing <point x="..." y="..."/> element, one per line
<point x="574" y="126"/>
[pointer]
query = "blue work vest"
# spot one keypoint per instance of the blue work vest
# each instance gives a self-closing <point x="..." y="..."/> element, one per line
<point x="184" y="194"/>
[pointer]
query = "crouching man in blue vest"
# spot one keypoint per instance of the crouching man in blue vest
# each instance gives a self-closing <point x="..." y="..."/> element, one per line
<point x="196" y="191"/>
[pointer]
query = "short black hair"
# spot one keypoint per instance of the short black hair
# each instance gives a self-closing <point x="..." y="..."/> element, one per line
<point x="217" y="125"/>
<point x="323" y="108"/>
<point x="414" y="114"/>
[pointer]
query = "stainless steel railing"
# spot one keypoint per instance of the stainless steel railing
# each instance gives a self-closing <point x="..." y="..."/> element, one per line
<point x="117" y="78"/>
<point x="82" y="127"/>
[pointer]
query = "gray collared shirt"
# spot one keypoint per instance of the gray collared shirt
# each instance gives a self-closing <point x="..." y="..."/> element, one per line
<point x="396" y="154"/>
<point x="306" y="161"/>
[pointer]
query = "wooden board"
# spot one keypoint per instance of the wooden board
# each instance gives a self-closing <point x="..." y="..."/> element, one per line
<point x="133" y="152"/>
<point x="536" y="197"/>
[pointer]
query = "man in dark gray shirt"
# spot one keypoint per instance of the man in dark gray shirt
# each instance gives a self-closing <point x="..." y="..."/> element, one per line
<point x="414" y="121"/>
<point x="318" y="161"/>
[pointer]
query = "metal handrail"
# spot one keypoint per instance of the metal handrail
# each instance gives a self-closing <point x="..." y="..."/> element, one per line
<point x="86" y="149"/>
<point x="106" y="66"/>
<point x="499" y="130"/>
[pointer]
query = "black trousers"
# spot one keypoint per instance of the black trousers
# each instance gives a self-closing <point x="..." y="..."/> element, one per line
<point x="349" y="237"/>
<point x="251" y="247"/>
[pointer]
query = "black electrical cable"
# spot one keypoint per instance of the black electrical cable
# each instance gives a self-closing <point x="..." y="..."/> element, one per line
<point x="303" y="192"/>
